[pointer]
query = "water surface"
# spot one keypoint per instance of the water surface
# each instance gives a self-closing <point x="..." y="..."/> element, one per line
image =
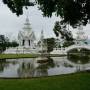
<point x="29" y="67"/>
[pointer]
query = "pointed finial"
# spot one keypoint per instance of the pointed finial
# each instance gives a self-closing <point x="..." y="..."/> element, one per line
<point x="27" y="18"/>
<point x="42" y="35"/>
<point x="27" y="14"/>
<point x="42" y="31"/>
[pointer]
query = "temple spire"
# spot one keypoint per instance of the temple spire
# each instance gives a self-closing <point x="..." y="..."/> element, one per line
<point x="27" y="25"/>
<point x="27" y="17"/>
<point x="26" y="35"/>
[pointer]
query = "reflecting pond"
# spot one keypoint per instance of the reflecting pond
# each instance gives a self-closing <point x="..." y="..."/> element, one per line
<point x="29" y="67"/>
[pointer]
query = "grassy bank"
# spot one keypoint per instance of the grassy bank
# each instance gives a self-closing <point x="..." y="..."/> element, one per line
<point x="80" y="81"/>
<point x="11" y="56"/>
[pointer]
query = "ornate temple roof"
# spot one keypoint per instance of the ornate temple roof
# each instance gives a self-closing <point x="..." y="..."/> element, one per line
<point x="27" y="32"/>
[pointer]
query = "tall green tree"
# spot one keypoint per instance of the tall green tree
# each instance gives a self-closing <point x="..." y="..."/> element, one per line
<point x="73" y="12"/>
<point x="50" y="44"/>
<point x="61" y="29"/>
<point x="66" y="35"/>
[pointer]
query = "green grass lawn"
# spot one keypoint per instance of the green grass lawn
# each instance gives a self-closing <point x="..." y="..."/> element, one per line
<point x="11" y="56"/>
<point x="79" y="81"/>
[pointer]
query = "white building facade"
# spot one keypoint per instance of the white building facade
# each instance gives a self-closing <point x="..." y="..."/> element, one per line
<point x="26" y="40"/>
<point x="26" y="36"/>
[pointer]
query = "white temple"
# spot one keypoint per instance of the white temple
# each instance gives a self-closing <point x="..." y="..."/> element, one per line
<point x="26" y="36"/>
<point x="26" y="40"/>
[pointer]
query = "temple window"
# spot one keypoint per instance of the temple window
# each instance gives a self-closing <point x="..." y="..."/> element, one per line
<point x="29" y="42"/>
<point x="23" y="42"/>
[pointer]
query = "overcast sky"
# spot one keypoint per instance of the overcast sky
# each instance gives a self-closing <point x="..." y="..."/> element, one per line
<point x="10" y="24"/>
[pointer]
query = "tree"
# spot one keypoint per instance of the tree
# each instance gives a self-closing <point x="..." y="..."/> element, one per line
<point x="2" y="43"/>
<point x="13" y="44"/>
<point x="61" y="29"/>
<point x="50" y="44"/>
<point x="5" y="43"/>
<point x="66" y="35"/>
<point x="16" y="6"/>
<point x="68" y="43"/>
<point x="73" y="12"/>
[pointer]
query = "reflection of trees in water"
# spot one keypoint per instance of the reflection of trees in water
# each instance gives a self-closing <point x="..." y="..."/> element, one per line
<point x="62" y="62"/>
<point x="33" y="69"/>
<point x="3" y="64"/>
<point x="80" y="63"/>
<point x="76" y="59"/>
<point x="29" y="69"/>
<point x="81" y="54"/>
<point x="42" y="69"/>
